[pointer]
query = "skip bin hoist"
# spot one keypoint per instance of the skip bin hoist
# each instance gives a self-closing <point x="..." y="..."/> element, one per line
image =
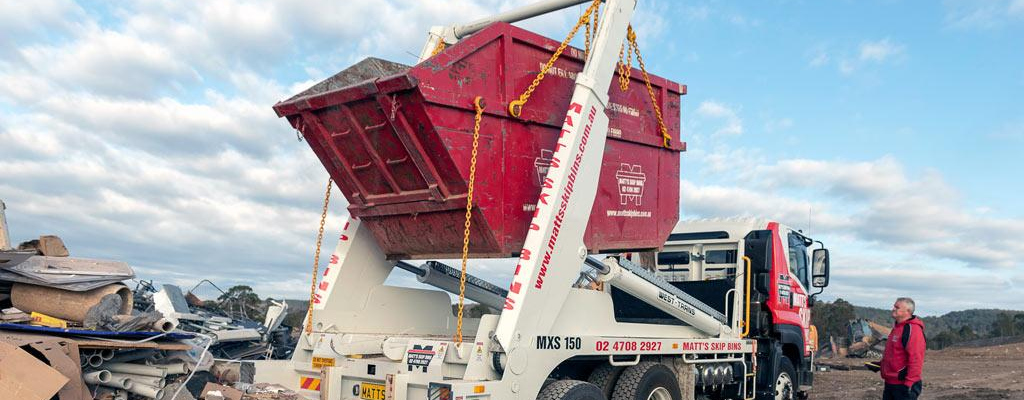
<point x="609" y="299"/>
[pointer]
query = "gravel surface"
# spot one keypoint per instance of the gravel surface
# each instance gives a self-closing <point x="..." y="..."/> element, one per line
<point x="983" y="373"/>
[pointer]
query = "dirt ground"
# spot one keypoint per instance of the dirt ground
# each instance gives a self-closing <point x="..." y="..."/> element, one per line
<point x="982" y="373"/>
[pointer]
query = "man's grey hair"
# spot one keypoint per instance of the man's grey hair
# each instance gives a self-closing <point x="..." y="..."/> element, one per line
<point x="908" y="301"/>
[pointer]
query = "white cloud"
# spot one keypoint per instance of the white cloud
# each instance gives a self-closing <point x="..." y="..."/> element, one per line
<point x="846" y="67"/>
<point x="696" y="13"/>
<point x="992" y="14"/>
<point x="1017" y="8"/>
<point x="149" y="137"/>
<point x="892" y="232"/>
<point x="876" y="202"/>
<point x="820" y="58"/>
<point x="859" y="179"/>
<point x="776" y="125"/>
<point x="731" y="122"/>
<point x="880" y="51"/>
<point x="744" y="21"/>
<point x="1010" y="131"/>
<point x="729" y="201"/>
<point x="107" y="62"/>
<point x="25" y="22"/>
<point x="878" y="279"/>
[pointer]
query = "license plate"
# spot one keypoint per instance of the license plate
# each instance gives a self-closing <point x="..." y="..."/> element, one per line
<point x="371" y="391"/>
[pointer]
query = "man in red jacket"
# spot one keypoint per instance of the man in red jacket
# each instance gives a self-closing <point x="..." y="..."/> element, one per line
<point x="904" y="353"/>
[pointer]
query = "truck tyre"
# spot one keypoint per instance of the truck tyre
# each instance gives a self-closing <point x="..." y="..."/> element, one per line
<point x="647" y="381"/>
<point x="571" y="390"/>
<point x="604" y="377"/>
<point x="784" y="386"/>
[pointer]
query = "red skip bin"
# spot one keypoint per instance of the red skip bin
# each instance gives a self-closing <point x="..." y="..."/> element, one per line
<point x="397" y="141"/>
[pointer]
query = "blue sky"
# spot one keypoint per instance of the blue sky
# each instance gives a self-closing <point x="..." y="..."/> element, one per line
<point x="142" y="130"/>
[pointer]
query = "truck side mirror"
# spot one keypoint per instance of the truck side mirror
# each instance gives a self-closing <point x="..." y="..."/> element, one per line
<point x="758" y="246"/>
<point x="819" y="268"/>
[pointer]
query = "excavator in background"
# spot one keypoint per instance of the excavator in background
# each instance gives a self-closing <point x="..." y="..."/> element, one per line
<point x="867" y="338"/>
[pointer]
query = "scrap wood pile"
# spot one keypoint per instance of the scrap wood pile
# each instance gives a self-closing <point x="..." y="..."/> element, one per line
<point x="72" y="329"/>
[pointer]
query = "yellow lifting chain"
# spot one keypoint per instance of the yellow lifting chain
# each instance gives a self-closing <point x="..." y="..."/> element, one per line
<point x="479" y="104"/>
<point x="515" y="108"/>
<point x="590" y="31"/>
<point x="590" y="20"/>
<point x="624" y="82"/>
<point x="439" y="48"/>
<point x="316" y="259"/>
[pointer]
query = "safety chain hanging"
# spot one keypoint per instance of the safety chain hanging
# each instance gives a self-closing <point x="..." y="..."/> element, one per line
<point x="316" y="258"/>
<point x="515" y="108"/>
<point x="625" y="67"/>
<point x="478" y="104"/>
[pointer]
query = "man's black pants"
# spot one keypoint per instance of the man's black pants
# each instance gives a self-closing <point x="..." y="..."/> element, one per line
<point x="901" y="392"/>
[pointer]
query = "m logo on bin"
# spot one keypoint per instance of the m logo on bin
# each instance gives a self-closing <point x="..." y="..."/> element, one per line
<point x="420" y="356"/>
<point x="543" y="164"/>
<point x="630" y="179"/>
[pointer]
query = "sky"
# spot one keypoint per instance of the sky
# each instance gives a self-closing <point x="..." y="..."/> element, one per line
<point x="142" y="131"/>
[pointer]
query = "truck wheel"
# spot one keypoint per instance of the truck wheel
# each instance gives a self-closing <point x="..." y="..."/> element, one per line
<point x="604" y="377"/>
<point x="784" y="387"/>
<point x="571" y="390"/>
<point x="647" y="381"/>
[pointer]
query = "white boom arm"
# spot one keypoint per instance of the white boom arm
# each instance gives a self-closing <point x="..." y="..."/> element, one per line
<point x="452" y="34"/>
<point x="665" y="298"/>
<point x="554" y="247"/>
<point x="5" y="237"/>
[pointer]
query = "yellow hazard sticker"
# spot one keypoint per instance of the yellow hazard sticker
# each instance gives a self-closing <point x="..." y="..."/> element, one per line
<point x="320" y="362"/>
<point x="309" y="383"/>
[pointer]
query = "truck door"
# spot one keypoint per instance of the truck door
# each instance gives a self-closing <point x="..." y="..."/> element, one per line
<point x="791" y="276"/>
<point x="799" y="272"/>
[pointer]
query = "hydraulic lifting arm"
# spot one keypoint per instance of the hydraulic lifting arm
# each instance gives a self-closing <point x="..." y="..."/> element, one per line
<point x="554" y="249"/>
<point x="452" y="34"/>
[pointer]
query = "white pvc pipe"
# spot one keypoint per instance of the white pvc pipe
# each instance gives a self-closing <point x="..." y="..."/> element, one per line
<point x="95" y="360"/>
<point x="121" y="383"/>
<point x="147" y="391"/>
<point x="139" y="379"/>
<point x="164" y="325"/>
<point x="106" y="354"/>
<point x="137" y="369"/>
<point x="97" y="377"/>
<point x="172" y="369"/>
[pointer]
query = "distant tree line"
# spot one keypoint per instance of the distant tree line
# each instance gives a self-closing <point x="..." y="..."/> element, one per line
<point x="1005" y="325"/>
<point x="832" y="319"/>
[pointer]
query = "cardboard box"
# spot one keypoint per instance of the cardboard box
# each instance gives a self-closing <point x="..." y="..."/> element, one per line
<point x="61" y="354"/>
<point x="24" y="377"/>
<point x="213" y="391"/>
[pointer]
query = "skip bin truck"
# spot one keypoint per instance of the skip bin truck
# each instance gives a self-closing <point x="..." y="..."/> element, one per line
<point x="504" y="143"/>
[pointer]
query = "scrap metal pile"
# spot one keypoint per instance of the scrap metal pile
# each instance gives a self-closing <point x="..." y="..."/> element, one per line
<point x="864" y="339"/>
<point x="72" y="329"/>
